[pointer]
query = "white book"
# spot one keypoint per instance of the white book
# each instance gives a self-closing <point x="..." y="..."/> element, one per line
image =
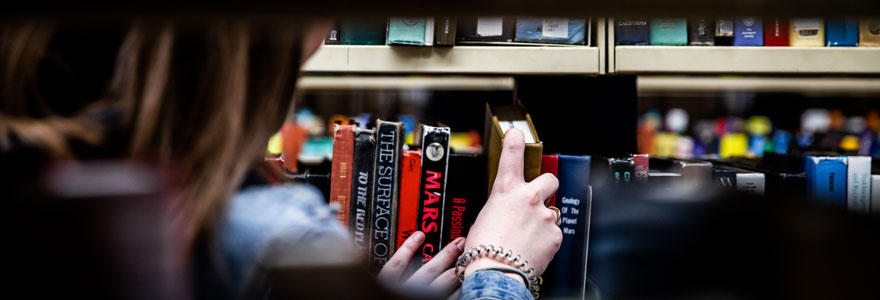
<point x="429" y="32"/>
<point x="750" y="182"/>
<point x="875" y="194"/>
<point x="858" y="184"/>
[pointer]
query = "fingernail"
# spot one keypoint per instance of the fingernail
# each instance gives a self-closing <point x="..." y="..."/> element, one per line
<point x="418" y="236"/>
<point x="460" y="244"/>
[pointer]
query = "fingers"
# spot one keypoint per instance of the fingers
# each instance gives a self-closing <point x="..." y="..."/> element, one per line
<point x="510" y="164"/>
<point x="445" y="283"/>
<point x="454" y="295"/>
<point x="427" y="273"/>
<point x="394" y="268"/>
<point x="545" y="185"/>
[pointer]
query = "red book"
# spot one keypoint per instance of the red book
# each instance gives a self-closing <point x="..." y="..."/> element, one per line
<point x="776" y="32"/>
<point x="340" y="174"/>
<point x="550" y="164"/>
<point x="408" y="205"/>
<point x="641" y="167"/>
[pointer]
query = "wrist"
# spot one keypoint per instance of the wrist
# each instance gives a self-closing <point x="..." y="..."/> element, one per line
<point x="490" y="263"/>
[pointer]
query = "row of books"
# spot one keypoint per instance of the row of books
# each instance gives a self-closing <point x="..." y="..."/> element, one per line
<point x="843" y="182"/>
<point x="671" y="135"/>
<point x="749" y="31"/>
<point x="385" y="189"/>
<point x="448" y="31"/>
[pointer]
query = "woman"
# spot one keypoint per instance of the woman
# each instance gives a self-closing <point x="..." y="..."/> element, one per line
<point x="197" y="100"/>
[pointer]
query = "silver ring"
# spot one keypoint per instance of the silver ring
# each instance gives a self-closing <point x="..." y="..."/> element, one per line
<point x="558" y="215"/>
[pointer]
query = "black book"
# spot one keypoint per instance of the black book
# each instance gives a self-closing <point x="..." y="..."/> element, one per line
<point x="432" y="188"/>
<point x="622" y="170"/>
<point x="444" y="31"/>
<point x="466" y="195"/>
<point x="724" y="178"/>
<point x="332" y="37"/>
<point x="701" y="32"/>
<point x="724" y="32"/>
<point x="386" y="187"/>
<point x="362" y="188"/>
<point x="485" y="29"/>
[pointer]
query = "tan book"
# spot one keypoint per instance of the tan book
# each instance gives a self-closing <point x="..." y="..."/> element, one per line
<point x="807" y="32"/>
<point x="498" y="120"/>
<point x="869" y="32"/>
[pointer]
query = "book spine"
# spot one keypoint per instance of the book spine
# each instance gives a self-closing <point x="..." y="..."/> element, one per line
<point x="696" y="173"/>
<point x="363" y="31"/>
<point x="750" y="183"/>
<point x="333" y="36"/>
<point x="632" y="32"/>
<point x="842" y="32"/>
<point x="869" y="32"/>
<point x="724" y="178"/>
<point x="407" y="31"/>
<point x="361" y="189"/>
<point x="621" y="170"/>
<point x="410" y="175"/>
<point x="875" y="195"/>
<point x="550" y="164"/>
<point x="432" y="188"/>
<point x="858" y="182"/>
<point x="641" y="164"/>
<point x="464" y="196"/>
<point x="340" y="174"/>
<point x="429" y="32"/>
<point x="563" y="277"/>
<point x="669" y="31"/>
<point x="701" y="32"/>
<point x="748" y="32"/>
<point x="776" y="32"/>
<point x="389" y="140"/>
<point x="444" y="31"/>
<point x="829" y="180"/>
<point x="807" y="32"/>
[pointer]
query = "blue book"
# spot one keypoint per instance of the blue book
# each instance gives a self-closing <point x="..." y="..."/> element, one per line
<point x="565" y="276"/>
<point x="748" y="32"/>
<point x="842" y="32"/>
<point x="550" y="30"/>
<point x="632" y="32"/>
<point x="826" y="180"/>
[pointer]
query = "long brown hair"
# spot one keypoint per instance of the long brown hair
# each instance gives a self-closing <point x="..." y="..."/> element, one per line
<point x="198" y="100"/>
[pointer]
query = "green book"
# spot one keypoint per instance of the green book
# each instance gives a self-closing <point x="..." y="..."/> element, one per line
<point x="362" y="31"/>
<point x="411" y="31"/>
<point x="669" y="32"/>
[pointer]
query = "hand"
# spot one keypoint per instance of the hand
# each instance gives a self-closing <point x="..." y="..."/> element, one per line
<point x="514" y="216"/>
<point x="438" y="274"/>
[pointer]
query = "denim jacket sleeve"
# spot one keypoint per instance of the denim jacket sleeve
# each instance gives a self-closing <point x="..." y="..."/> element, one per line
<point x="492" y="285"/>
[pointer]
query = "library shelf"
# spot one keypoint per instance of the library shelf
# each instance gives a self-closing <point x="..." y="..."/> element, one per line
<point x="581" y="60"/>
<point x="383" y="82"/>
<point x="728" y="59"/>
<point x="676" y="84"/>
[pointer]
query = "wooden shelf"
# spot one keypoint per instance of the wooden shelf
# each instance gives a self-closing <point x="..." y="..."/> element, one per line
<point x="580" y="60"/>
<point x="722" y="59"/>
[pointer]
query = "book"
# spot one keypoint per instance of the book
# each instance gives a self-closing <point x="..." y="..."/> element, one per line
<point x="701" y="31"/>
<point x="748" y="32"/>
<point x="333" y="37"/>
<point x="569" y="31"/>
<point x="724" y="32"/>
<point x="444" y="31"/>
<point x="408" y="205"/>
<point x="858" y="183"/>
<point x="826" y="176"/>
<point x="724" y="178"/>
<point x="340" y="174"/>
<point x="875" y="195"/>
<point x="550" y="164"/>
<point x="565" y="276"/>
<point x="386" y="187"/>
<point x="807" y="32"/>
<point x="641" y="166"/>
<point x="362" y="31"/>
<point x="464" y="195"/>
<point x="869" y="32"/>
<point x="697" y="174"/>
<point x="750" y="182"/>
<point x="485" y="29"/>
<point x="511" y="116"/>
<point x="669" y="31"/>
<point x="776" y="32"/>
<point x="621" y="170"/>
<point x="842" y="32"/>
<point x="361" y="208"/>
<point x="432" y="188"/>
<point x="410" y="31"/>
<point x="632" y="32"/>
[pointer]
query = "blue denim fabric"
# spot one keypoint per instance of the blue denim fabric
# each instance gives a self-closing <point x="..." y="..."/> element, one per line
<point x="282" y="225"/>
<point x="492" y="285"/>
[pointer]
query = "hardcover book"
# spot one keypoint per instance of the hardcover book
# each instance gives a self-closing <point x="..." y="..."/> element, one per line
<point x="551" y="30"/>
<point x="858" y="183"/>
<point x="362" y="31"/>
<point x="701" y="32"/>
<point x="621" y="170"/>
<point x="340" y="174"/>
<point x="695" y="173"/>
<point x="750" y="182"/>
<point x="869" y="32"/>
<point x="361" y="208"/>
<point x="826" y="177"/>
<point x="724" y="178"/>
<point x="333" y="37"/>
<point x="550" y="164"/>
<point x="724" y="32"/>
<point x="410" y="177"/>
<point x="875" y="195"/>
<point x="410" y="31"/>
<point x="669" y="32"/>
<point x="444" y="31"/>
<point x="498" y="120"/>
<point x="641" y="165"/>
<point x="807" y="32"/>
<point x="776" y="32"/>
<point x="386" y="185"/>
<point x="485" y="29"/>
<point x="842" y="32"/>
<point x="464" y="195"/>
<point x="565" y="276"/>
<point x="432" y="188"/>
<point x="748" y="32"/>
<point x="632" y="32"/>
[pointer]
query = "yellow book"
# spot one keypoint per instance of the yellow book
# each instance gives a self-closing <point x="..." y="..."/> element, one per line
<point x="869" y="32"/>
<point x="498" y="120"/>
<point x="807" y="32"/>
<point x="733" y="145"/>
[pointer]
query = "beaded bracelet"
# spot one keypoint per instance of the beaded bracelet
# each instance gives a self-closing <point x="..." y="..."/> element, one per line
<point x="495" y="252"/>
